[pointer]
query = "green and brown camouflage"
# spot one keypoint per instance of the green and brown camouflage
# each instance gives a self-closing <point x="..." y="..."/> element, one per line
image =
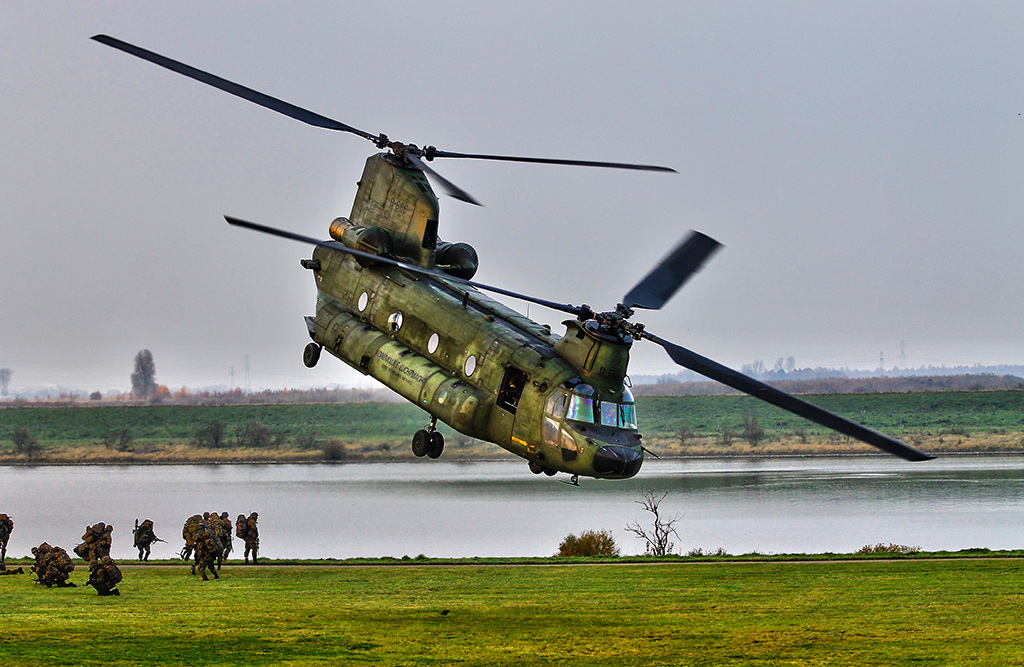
<point x="489" y="372"/>
<point x="208" y="549"/>
<point x="104" y="576"/>
<point x="53" y="566"/>
<point x="248" y="530"/>
<point x="143" y="538"/>
<point x="6" y="528"/>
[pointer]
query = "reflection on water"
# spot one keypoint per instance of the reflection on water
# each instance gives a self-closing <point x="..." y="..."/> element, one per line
<point x="499" y="509"/>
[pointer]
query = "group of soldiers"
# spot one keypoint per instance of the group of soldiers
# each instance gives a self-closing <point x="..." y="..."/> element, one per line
<point x="53" y="566"/>
<point x="208" y="536"/>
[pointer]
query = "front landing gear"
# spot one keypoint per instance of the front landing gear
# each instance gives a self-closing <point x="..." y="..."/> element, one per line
<point x="428" y="442"/>
<point x="311" y="354"/>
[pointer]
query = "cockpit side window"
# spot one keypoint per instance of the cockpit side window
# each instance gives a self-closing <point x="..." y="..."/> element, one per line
<point x="581" y="404"/>
<point x="556" y="404"/>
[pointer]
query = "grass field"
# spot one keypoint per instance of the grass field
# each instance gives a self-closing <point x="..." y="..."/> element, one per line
<point x="982" y="421"/>
<point x="953" y="612"/>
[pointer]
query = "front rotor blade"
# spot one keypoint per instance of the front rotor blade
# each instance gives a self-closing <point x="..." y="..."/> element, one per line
<point x="764" y="392"/>
<point x="669" y="275"/>
<point x="451" y="188"/>
<point x="411" y="268"/>
<point x="257" y="97"/>
<point x="548" y="160"/>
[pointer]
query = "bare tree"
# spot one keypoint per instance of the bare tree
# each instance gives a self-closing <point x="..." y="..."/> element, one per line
<point x="5" y="381"/>
<point x="657" y="538"/>
<point x="144" y="375"/>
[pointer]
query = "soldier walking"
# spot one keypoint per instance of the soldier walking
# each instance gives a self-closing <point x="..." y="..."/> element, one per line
<point x="248" y="530"/>
<point x="189" y="532"/>
<point x="208" y="548"/>
<point x="144" y="538"/>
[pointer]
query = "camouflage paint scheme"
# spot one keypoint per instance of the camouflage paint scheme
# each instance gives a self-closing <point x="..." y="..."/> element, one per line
<point x="455" y="352"/>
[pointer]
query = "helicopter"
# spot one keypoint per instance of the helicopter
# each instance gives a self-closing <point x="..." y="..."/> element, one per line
<point x="397" y="303"/>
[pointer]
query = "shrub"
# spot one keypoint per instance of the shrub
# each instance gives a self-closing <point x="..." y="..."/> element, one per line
<point x="25" y="443"/>
<point x="888" y="549"/>
<point x="589" y="543"/>
<point x="211" y="435"/>
<point x="334" y="451"/>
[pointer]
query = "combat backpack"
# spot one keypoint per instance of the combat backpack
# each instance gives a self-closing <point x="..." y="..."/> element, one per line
<point x="63" y="559"/>
<point x="112" y="570"/>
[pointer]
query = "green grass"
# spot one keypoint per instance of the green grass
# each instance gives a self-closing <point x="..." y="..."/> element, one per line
<point x="960" y="612"/>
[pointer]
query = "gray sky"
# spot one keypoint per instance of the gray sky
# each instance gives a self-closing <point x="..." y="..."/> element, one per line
<point x="862" y="163"/>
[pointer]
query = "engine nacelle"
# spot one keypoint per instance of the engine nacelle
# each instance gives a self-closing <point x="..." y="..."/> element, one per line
<point x="456" y="259"/>
<point x="372" y="240"/>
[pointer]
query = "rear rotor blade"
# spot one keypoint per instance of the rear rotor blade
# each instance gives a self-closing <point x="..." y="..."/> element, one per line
<point x="411" y="268"/>
<point x="280" y="106"/>
<point x="547" y="160"/>
<point x="451" y="188"/>
<point x="668" y="276"/>
<point x="764" y="392"/>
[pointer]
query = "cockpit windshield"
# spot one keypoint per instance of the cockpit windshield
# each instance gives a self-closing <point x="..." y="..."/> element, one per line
<point x="583" y="407"/>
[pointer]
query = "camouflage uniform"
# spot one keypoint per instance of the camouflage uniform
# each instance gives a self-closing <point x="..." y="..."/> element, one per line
<point x="250" y="532"/>
<point x="228" y="529"/>
<point x="53" y="566"/>
<point x="95" y="542"/>
<point x="208" y="546"/>
<point x="104" y="575"/>
<point x="189" y="533"/>
<point x="6" y="527"/>
<point x="221" y="527"/>
<point x="144" y="537"/>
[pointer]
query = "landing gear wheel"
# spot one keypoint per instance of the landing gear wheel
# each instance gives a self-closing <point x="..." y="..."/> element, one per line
<point x="536" y="468"/>
<point x="420" y="443"/>
<point x="436" y="445"/>
<point x="311" y="355"/>
<point x="550" y="472"/>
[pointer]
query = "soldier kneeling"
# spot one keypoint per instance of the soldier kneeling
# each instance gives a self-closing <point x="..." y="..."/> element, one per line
<point x="104" y="575"/>
<point x="53" y="566"/>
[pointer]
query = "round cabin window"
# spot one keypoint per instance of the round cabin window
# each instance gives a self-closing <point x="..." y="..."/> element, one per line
<point x="395" y="321"/>
<point x="432" y="344"/>
<point x="364" y="299"/>
<point x="470" y="366"/>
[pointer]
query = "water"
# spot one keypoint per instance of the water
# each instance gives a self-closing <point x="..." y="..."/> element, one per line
<point x="446" y="509"/>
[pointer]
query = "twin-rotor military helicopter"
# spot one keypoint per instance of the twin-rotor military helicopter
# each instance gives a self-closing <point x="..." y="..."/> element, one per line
<point x="397" y="303"/>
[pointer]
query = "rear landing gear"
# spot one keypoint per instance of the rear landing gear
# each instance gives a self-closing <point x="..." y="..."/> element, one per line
<point x="311" y="354"/>
<point x="536" y="467"/>
<point x="428" y="442"/>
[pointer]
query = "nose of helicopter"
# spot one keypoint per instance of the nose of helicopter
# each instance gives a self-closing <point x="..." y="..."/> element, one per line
<point x="615" y="461"/>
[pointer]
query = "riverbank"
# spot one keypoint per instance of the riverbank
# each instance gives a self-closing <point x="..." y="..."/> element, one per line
<point x="925" y="612"/>
<point x="673" y="426"/>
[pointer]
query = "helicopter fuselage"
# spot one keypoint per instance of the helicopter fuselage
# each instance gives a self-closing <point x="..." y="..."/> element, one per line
<point x="471" y="362"/>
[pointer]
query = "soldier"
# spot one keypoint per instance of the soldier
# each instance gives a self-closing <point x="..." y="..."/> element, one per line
<point x="221" y="527"/>
<point x="228" y="529"/>
<point x="104" y="575"/>
<point x="250" y="532"/>
<point x="144" y="537"/>
<point x="53" y="566"/>
<point x="95" y="542"/>
<point x="208" y="547"/>
<point x="6" y="527"/>
<point x="189" y="533"/>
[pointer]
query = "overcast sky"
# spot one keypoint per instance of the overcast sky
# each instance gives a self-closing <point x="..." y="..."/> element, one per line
<point x="861" y="162"/>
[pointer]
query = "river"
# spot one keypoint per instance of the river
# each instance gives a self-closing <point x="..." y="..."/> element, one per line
<point x="450" y="509"/>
